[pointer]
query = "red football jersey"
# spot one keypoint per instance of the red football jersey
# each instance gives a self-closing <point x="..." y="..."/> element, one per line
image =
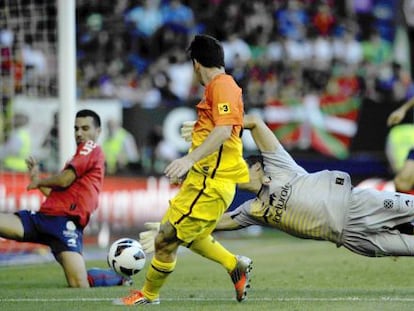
<point x="81" y="198"/>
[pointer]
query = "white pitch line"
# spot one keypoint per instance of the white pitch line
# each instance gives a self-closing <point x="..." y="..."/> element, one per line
<point x="281" y="299"/>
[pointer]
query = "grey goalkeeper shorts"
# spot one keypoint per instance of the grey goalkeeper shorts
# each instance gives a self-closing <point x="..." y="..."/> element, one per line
<point x="370" y="223"/>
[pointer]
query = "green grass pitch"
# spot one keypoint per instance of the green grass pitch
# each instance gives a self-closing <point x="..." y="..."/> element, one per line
<point x="288" y="274"/>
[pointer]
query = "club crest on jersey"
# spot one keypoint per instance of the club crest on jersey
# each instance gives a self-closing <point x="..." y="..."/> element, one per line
<point x="223" y="108"/>
<point x="388" y="204"/>
<point x="339" y="181"/>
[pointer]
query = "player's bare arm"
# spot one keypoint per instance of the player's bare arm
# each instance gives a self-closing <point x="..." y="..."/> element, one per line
<point x="33" y="167"/>
<point x="397" y="115"/>
<point x="226" y="223"/>
<point x="64" y="179"/>
<point x="264" y="138"/>
<point x="214" y="140"/>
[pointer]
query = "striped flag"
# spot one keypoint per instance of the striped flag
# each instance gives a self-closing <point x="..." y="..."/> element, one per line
<point x="325" y="123"/>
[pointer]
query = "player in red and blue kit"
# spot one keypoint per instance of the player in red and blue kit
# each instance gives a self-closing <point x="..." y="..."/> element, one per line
<point x="71" y="197"/>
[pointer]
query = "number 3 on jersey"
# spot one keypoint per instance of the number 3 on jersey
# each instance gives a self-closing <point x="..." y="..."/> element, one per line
<point x="224" y="108"/>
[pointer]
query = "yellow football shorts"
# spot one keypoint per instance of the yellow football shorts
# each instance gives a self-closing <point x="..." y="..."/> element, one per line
<point x="197" y="207"/>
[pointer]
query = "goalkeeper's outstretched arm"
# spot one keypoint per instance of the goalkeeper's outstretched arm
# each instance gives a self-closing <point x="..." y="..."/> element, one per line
<point x="226" y="223"/>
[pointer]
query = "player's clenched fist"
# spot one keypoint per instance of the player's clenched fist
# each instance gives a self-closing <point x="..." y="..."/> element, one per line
<point x="178" y="168"/>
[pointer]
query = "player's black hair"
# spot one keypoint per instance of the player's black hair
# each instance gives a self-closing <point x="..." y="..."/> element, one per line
<point x="207" y="50"/>
<point x="89" y="113"/>
<point x="253" y="159"/>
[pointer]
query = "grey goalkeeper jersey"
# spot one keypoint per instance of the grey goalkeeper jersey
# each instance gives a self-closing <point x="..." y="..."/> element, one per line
<point x="325" y="206"/>
<point x="307" y="205"/>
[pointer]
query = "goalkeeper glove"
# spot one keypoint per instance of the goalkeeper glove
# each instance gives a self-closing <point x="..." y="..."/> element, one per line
<point x="146" y="238"/>
<point x="187" y="130"/>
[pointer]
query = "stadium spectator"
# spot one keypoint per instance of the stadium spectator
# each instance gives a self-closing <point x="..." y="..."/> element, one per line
<point x="385" y="14"/>
<point x="158" y="152"/>
<point x="51" y="142"/>
<point x="236" y="49"/>
<point x="362" y="12"/>
<point x="292" y="20"/>
<point x="178" y="16"/>
<point x="35" y="61"/>
<point x="71" y="197"/>
<point x="120" y="148"/>
<point x="133" y="90"/>
<point x="402" y="83"/>
<point x="12" y="67"/>
<point x="223" y="18"/>
<point x="322" y="52"/>
<point x="297" y="52"/>
<point x="213" y="166"/>
<point x="367" y="222"/>
<point x="180" y="74"/>
<point x="347" y="48"/>
<point x="148" y="96"/>
<point x="153" y="139"/>
<point x="376" y="49"/>
<point x="258" y="25"/>
<point x="143" y="20"/>
<point x="404" y="178"/>
<point x="17" y="147"/>
<point x="324" y="20"/>
<point x="274" y="49"/>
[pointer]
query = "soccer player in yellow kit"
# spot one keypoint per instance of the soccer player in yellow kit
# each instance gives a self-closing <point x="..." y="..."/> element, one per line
<point x="213" y="167"/>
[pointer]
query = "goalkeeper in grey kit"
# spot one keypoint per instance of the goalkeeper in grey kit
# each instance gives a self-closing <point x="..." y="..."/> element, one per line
<point x="319" y="206"/>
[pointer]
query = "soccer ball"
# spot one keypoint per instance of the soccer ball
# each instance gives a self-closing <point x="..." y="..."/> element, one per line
<point x="126" y="257"/>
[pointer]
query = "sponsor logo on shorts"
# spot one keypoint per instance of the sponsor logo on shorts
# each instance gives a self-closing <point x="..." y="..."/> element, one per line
<point x="70" y="234"/>
<point x="70" y="225"/>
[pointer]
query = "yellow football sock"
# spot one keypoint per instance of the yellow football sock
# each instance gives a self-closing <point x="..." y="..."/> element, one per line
<point x="156" y="277"/>
<point x="210" y="248"/>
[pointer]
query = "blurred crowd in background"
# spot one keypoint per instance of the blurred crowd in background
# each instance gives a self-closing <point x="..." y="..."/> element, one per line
<point x="279" y="52"/>
<point x="135" y="49"/>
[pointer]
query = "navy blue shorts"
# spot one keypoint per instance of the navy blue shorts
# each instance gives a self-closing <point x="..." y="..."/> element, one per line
<point x="60" y="233"/>
<point x="411" y="154"/>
